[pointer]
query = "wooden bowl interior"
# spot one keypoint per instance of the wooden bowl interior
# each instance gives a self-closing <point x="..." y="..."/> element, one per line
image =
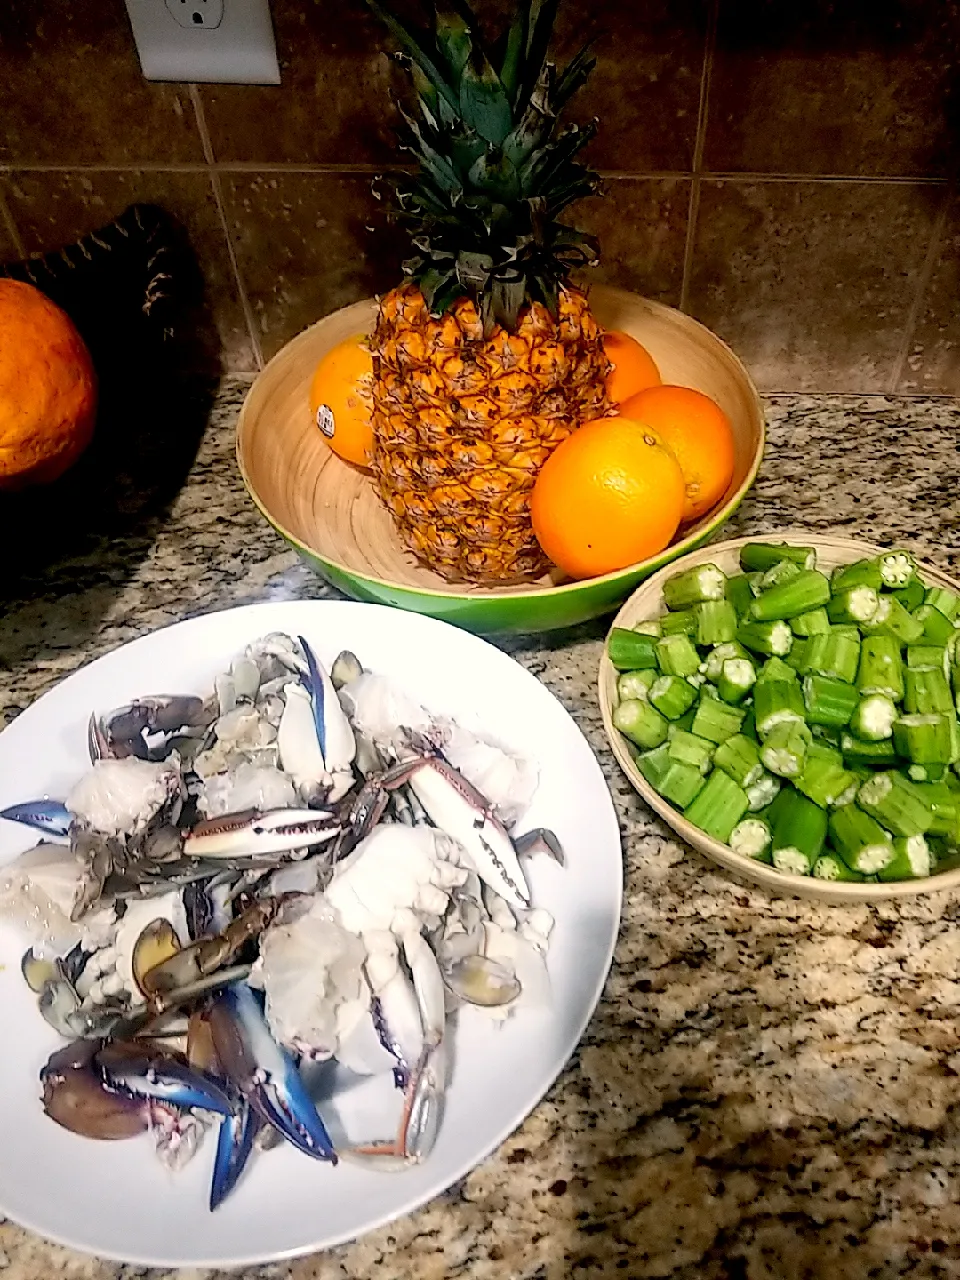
<point x="647" y="602"/>
<point x="331" y="507"/>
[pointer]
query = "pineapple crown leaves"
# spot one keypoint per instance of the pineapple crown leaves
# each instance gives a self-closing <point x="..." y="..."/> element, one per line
<point x="495" y="168"/>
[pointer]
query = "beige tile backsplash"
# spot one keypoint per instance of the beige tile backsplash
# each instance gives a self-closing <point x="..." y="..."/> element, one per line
<point x="781" y="172"/>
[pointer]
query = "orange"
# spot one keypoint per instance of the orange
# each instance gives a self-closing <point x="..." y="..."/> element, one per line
<point x="611" y="494"/>
<point x="341" y="400"/>
<point x="698" y="432"/>
<point x="633" y="366"/>
<point x="48" y="388"/>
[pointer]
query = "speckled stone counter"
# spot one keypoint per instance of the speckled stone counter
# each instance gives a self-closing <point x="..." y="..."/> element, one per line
<point x="767" y="1090"/>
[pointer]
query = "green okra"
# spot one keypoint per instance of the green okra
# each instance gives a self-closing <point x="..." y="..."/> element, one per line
<point x="912" y="860"/>
<point x="740" y="758"/>
<point x="687" y="748"/>
<point x="799" y="830"/>
<point x="693" y="586"/>
<point x="834" y="653"/>
<point x="718" y="807"/>
<point x="858" y="752"/>
<point x="784" y="750"/>
<point x="944" y="804"/>
<point x="925" y="739"/>
<point x="681" y="783"/>
<point x="897" y="569"/>
<point x="808" y="590"/>
<point x="810" y="624"/>
<point x="824" y="779"/>
<point x="873" y="718"/>
<point x="911" y="595"/>
<point x="776" y="669"/>
<point x="896" y="804"/>
<point x="880" y="669"/>
<point x="719" y="655"/>
<point x="751" y="838"/>
<point x="641" y="723"/>
<point x="648" y="627"/>
<point x="862" y="573"/>
<point x="855" y="605"/>
<point x="654" y="764"/>
<point x="893" y="619"/>
<point x="630" y="651"/>
<point x="672" y="696"/>
<point x="677" y="655"/>
<point x="927" y="655"/>
<point x="716" y="622"/>
<point x="926" y="691"/>
<point x="944" y="600"/>
<point x="776" y="701"/>
<point x="715" y="720"/>
<point x="736" y="679"/>
<point x="635" y="684"/>
<point x="830" y="867"/>
<point x="681" y="623"/>
<point x="760" y="556"/>
<point x="772" y="638"/>
<point x="740" y="593"/>
<point x="936" y="628"/>
<point x="762" y="793"/>
<point x="860" y="840"/>
<point x="829" y="701"/>
<point x="783" y="571"/>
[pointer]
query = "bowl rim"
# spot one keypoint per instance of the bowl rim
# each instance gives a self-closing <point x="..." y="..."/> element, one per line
<point x="668" y="555"/>
<point x="778" y="883"/>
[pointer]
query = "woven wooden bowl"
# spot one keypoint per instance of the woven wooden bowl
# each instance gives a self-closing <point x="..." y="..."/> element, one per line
<point x="330" y="512"/>
<point x="647" y="602"/>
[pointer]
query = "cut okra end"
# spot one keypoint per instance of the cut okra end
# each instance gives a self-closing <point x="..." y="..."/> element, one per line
<point x="702" y="583"/>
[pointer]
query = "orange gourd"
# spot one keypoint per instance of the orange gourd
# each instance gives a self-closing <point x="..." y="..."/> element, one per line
<point x="48" y="388"/>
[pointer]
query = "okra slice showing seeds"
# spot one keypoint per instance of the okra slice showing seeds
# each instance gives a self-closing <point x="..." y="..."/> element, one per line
<point x="784" y="750"/>
<point x="751" y="838"/>
<point x="672" y="696"/>
<point x="760" y="556"/>
<point x="896" y="804"/>
<point x="762" y="793"/>
<point x="776" y="701"/>
<point x="881" y="668"/>
<point x="640" y="722"/>
<point x="897" y="569"/>
<point x="693" y="586"/>
<point x="829" y="867"/>
<point x="718" y="807"/>
<point x="893" y="619"/>
<point x="772" y="638"/>
<point x="873" y="718"/>
<point x="631" y="651"/>
<point x="635" y="684"/>
<point x="739" y="757"/>
<point x="829" y="701"/>
<point x="736" y="679"/>
<point x="856" y="605"/>
<point x="799" y="832"/>
<point x="912" y="860"/>
<point x="713" y="666"/>
<point x="860" y="840"/>
<point x="808" y="590"/>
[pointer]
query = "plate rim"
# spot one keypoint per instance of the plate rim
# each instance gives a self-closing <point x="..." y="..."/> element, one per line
<point x="570" y="1044"/>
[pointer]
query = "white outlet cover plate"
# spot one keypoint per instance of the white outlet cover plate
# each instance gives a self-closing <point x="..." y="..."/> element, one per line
<point x="232" y="43"/>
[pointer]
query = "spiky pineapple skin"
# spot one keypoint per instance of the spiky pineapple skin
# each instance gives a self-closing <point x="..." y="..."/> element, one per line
<point x="463" y="424"/>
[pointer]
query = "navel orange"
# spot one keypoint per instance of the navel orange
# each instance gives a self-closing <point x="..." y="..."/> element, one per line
<point x="610" y="495"/>
<point x="699" y="434"/>
<point x="633" y="366"/>
<point x="48" y="388"/>
<point x="341" y="400"/>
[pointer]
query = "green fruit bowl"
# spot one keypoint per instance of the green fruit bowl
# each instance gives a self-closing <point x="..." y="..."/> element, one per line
<point x="331" y="514"/>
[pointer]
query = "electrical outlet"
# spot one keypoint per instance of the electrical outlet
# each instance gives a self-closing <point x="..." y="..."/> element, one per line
<point x="205" y="41"/>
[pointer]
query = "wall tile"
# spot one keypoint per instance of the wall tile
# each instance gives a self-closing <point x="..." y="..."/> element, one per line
<point x="866" y="87"/>
<point x="335" y="103"/>
<point x="811" y="283"/>
<point x="72" y="91"/>
<point x="933" y="361"/>
<point x="52" y="209"/>
<point x="641" y="224"/>
<point x="308" y="243"/>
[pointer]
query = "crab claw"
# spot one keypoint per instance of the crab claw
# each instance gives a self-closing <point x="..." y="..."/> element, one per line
<point x="253" y="833"/>
<point x="335" y="736"/>
<point x="234" y="1145"/>
<point x="159" y="1077"/>
<point x="51" y="817"/>
<point x="75" y="1097"/>
<point x="265" y="1074"/>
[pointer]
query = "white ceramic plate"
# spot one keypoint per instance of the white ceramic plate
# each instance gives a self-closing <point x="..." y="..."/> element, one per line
<point x="114" y="1198"/>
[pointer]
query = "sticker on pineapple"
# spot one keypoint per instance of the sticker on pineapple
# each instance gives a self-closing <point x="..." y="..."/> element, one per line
<point x="325" y="420"/>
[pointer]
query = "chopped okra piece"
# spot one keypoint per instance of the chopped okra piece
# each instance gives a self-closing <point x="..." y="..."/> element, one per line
<point x="829" y="867"/>
<point x="635" y="684"/>
<point x="677" y="656"/>
<point x="760" y="556"/>
<point x="896" y="804"/>
<point x="740" y="592"/>
<point x="860" y="840"/>
<point x="774" y="638"/>
<point x="784" y="750"/>
<point x="862" y="573"/>
<point x="799" y="832"/>
<point x="763" y="792"/>
<point x="834" y="653"/>
<point x="781" y="572"/>
<point x="926" y="691"/>
<point x="857" y="751"/>
<point x="893" y="619"/>
<point x="716" y="622"/>
<point x="641" y="723"/>
<point x="829" y="701"/>
<point x="945" y="600"/>
<point x="715" y="720"/>
<point x="808" y="590"/>
<point x="654" y="764"/>
<point x="649" y="627"/>
<point x="880" y="669"/>
<point x="776" y="669"/>
<point x="672" y="696"/>
<point x="873" y="718"/>
<point x="718" y="656"/>
<point x="897" y="569"/>
<point x="809" y="624"/>
<point x="740" y="758"/>
<point x="681" y="623"/>
<point x="630" y="651"/>
<point x="856" y="605"/>
<point x="796" y="659"/>
<point x="912" y="860"/>
<point x="680" y="783"/>
<point x="718" y="807"/>
<point x="687" y="748"/>
<point x="824" y="779"/>
<point x="911" y="595"/>
<point x="736" y="679"/>
<point x="927" y="655"/>
<point x="944" y="803"/>
<point x="936" y="628"/>
<point x="751" y="837"/>
<point x="925" y="739"/>
<point x="702" y="582"/>
<point x="776" y="701"/>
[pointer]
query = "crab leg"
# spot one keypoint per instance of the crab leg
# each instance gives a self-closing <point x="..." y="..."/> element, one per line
<point x="49" y="816"/>
<point x="265" y="1074"/>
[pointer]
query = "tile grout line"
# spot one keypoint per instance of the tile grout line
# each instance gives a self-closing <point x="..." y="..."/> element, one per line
<point x="6" y="219"/>
<point x="693" y="207"/>
<point x="920" y="297"/>
<point x="231" y="251"/>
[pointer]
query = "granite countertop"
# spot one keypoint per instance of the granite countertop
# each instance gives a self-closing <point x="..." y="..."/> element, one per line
<point x="767" y="1088"/>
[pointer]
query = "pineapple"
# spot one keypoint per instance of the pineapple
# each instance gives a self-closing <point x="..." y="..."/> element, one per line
<point x="485" y="358"/>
